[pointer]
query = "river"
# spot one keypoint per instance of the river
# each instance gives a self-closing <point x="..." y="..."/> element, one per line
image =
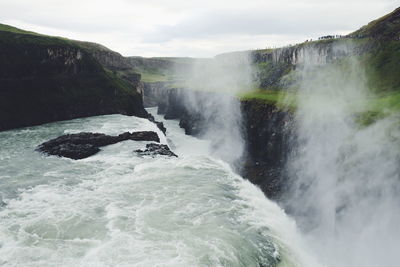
<point x="118" y="209"/>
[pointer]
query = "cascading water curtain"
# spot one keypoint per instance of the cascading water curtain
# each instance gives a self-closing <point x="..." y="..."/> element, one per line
<point x="345" y="175"/>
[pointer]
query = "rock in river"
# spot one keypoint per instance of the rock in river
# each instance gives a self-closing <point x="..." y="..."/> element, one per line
<point x="156" y="149"/>
<point x="83" y="145"/>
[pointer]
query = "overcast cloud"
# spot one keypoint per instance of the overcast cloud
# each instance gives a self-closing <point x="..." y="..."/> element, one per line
<point x="191" y="28"/>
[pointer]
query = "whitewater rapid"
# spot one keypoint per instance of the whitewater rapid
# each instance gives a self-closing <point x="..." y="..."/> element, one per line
<point x="118" y="209"/>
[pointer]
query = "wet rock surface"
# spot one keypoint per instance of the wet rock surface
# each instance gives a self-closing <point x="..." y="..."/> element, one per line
<point x="193" y="123"/>
<point x="156" y="149"/>
<point x="83" y="145"/>
<point x="159" y="124"/>
<point x="2" y="203"/>
<point x="268" y="132"/>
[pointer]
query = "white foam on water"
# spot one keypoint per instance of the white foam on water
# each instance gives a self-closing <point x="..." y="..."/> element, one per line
<point x="118" y="209"/>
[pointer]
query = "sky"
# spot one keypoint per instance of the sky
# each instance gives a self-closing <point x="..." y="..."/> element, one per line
<point x="191" y="28"/>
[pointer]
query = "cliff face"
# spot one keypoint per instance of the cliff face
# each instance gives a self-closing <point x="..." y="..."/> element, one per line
<point x="273" y="66"/>
<point x="171" y="104"/>
<point x="155" y="94"/>
<point x="375" y="54"/>
<point x="110" y="59"/>
<point x="268" y="135"/>
<point x="44" y="79"/>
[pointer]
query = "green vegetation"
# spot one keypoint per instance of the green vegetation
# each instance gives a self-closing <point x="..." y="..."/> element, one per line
<point x="282" y="99"/>
<point x="379" y="107"/>
<point x="42" y="39"/>
<point x="386" y="102"/>
<point x="148" y="77"/>
<point x="382" y="66"/>
<point x="268" y="96"/>
<point x="382" y="71"/>
<point x="15" y="35"/>
<point x="26" y="38"/>
<point x="269" y="74"/>
<point x="157" y="69"/>
<point x="7" y="28"/>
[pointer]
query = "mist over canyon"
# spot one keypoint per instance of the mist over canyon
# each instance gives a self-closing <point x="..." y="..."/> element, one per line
<point x="271" y="157"/>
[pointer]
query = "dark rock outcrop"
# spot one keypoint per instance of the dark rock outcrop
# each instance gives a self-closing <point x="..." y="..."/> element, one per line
<point x="108" y="58"/>
<point x="83" y="145"/>
<point x="2" y="203"/>
<point x="159" y="124"/>
<point x="268" y="135"/>
<point x="174" y="105"/>
<point x="156" y="149"/>
<point x="193" y="123"/>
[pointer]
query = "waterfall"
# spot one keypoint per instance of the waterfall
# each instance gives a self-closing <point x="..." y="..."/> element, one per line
<point x="344" y="175"/>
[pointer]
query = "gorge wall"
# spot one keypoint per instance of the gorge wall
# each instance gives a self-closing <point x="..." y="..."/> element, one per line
<point x="45" y="79"/>
<point x="266" y="130"/>
<point x="268" y="135"/>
